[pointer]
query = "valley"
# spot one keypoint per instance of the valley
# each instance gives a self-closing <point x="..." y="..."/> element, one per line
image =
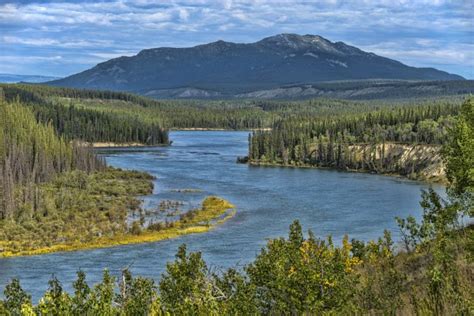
<point x="266" y="201"/>
<point x="236" y="157"/>
<point x="151" y="186"/>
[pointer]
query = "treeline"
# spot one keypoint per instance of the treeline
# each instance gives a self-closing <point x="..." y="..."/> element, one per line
<point x="95" y="126"/>
<point x="354" y="140"/>
<point x="34" y="92"/>
<point x="305" y="275"/>
<point x="30" y="154"/>
<point x="153" y="116"/>
<point x="87" y="124"/>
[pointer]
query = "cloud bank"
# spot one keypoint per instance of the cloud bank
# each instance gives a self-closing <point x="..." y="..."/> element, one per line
<point x="58" y="37"/>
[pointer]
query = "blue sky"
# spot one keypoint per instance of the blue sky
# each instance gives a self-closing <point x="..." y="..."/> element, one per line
<point x="60" y="37"/>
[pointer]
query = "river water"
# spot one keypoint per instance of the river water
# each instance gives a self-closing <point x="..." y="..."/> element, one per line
<point x="268" y="199"/>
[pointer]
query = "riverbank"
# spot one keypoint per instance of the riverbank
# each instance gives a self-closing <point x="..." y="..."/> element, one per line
<point x="119" y="145"/>
<point x="437" y="180"/>
<point x="214" y="211"/>
<point x="219" y="129"/>
<point x="267" y="200"/>
<point x="111" y="144"/>
<point x="420" y="162"/>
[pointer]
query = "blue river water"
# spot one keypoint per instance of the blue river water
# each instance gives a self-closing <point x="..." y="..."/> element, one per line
<point x="268" y="199"/>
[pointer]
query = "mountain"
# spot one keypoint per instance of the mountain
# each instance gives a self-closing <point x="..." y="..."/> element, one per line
<point x="229" y="69"/>
<point x="11" y="78"/>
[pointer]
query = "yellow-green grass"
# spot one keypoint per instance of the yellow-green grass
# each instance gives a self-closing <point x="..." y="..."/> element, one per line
<point x="214" y="211"/>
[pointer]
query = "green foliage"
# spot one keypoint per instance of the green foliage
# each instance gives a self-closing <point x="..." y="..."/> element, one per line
<point x="102" y="297"/>
<point x="137" y="295"/>
<point x="54" y="192"/>
<point x="55" y="301"/>
<point x="382" y="282"/>
<point x="459" y="156"/>
<point x="441" y="234"/>
<point x="72" y="120"/>
<point x="441" y="238"/>
<point x="77" y="207"/>
<point x="358" y="140"/>
<point x="236" y="294"/>
<point x="297" y="275"/>
<point x="115" y="116"/>
<point x="15" y="298"/>
<point x="31" y="154"/>
<point x="185" y="288"/>
<point x="300" y="275"/>
<point x="80" y="302"/>
<point x="294" y="276"/>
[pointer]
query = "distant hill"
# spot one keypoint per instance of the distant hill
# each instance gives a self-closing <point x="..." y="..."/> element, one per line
<point x="11" y="78"/>
<point x="229" y="69"/>
<point x="365" y="90"/>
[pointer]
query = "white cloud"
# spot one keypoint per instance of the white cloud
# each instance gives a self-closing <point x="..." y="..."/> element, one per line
<point x="110" y="55"/>
<point x="427" y="53"/>
<point x="43" y="42"/>
<point x="155" y="17"/>
<point x="97" y="27"/>
<point x="29" y="59"/>
<point x="29" y="41"/>
<point x="183" y="14"/>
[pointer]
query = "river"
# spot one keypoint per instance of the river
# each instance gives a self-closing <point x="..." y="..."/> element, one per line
<point x="268" y="199"/>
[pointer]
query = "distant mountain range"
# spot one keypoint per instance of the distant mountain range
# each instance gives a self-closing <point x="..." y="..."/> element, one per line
<point x="11" y="78"/>
<point x="225" y="69"/>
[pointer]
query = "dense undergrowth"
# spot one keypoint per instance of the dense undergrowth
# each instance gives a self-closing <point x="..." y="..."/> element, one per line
<point x="74" y="208"/>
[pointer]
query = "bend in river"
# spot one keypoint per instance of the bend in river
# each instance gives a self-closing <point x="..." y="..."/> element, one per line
<point x="268" y="199"/>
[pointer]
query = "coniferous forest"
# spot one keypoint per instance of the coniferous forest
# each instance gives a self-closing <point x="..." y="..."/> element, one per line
<point x="52" y="103"/>
<point x="52" y="188"/>
<point x="85" y="124"/>
<point x="31" y="154"/>
<point x="237" y="157"/>
<point x="56" y="194"/>
<point x="403" y="140"/>
<point x="302" y="274"/>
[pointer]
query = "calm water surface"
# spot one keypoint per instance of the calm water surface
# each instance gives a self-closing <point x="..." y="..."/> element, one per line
<point x="268" y="200"/>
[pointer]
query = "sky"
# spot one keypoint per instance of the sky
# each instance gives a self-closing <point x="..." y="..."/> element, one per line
<point x="61" y="37"/>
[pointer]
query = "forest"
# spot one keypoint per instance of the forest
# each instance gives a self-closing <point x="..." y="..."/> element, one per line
<point x="50" y="187"/>
<point x="56" y="194"/>
<point x="30" y="154"/>
<point x="83" y="124"/>
<point x="400" y="137"/>
<point x="373" y="141"/>
<point x="141" y="114"/>
<point x="430" y="274"/>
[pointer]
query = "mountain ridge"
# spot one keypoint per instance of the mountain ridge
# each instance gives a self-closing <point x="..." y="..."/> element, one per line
<point x="14" y="78"/>
<point x="235" y="68"/>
